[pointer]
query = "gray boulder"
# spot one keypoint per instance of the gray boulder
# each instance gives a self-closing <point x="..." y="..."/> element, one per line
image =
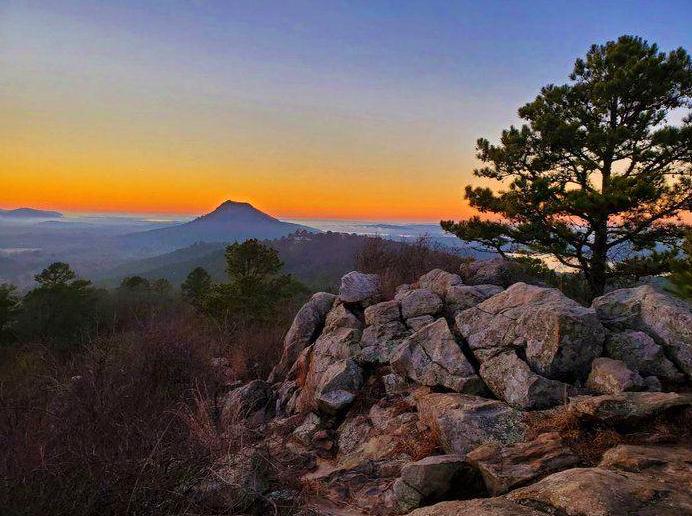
<point x="461" y="297"/>
<point x="341" y="317"/>
<point x="338" y="386"/>
<point x="303" y="331"/>
<point x="610" y="376"/>
<point x="665" y="318"/>
<point x="512" y="380"/>
<point x="439" y="281"/>
<point x="417" y="302"/>
<point x="641" y="353"/>
<point x="379" y="342"/>
<point x="432" y="357"/>
<point x="357" y="287"/>
<point x="384" y="312"/>
<point x="559" y="337"/>
<point x="245" y="401"/>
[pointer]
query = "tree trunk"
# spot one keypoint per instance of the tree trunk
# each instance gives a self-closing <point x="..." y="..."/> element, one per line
<point x="599" y="263"/>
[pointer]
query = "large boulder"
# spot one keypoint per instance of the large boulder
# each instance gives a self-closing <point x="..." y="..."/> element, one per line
<point x="338" y="386"/>
<point x="495" y="271"/>
<point x="559" y="337"/>
<point x="341" y="317"/>
<point x="667" y="319"/>
<point x="379" y="342"/>
<point x="357" y="287"/>
<point x="305" y="328"/>
<point x="419" y="301"/>
<point x="610" y="376"/>
<point x="641" y="353"/>
<point x="244" y="402"/>
<point x="381" y="313"/>
<point x="506" y="467"/>
<point x="512" y="380"/>
<point x="461" y="297"/>
<point x="432" y="357"/>
<point x="428" y="480"/>
<point x="439" y="281"/>
<point x="463" y="422"/>
<point x="416" y="323"/>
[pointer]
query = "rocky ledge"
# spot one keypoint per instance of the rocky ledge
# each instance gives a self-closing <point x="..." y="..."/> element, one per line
<point x="455" y="398"/>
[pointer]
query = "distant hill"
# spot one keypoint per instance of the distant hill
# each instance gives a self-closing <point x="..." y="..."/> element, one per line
<point x="30" y="213"/>
<point x="316" y="259"/>
<point x="230" y="222"/>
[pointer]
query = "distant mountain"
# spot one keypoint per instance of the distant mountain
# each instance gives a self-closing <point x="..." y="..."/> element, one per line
<point x="30" y="213"/>
<point x="230" y="222"/>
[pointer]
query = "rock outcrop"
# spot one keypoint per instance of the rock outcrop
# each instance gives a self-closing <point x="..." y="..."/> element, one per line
<point x="456" y="399"/>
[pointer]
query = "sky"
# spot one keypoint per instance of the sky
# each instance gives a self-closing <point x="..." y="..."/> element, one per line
<point x="306" y="109"/>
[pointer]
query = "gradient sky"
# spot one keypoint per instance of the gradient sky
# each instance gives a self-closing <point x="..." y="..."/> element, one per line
<point x="366" y="110"/>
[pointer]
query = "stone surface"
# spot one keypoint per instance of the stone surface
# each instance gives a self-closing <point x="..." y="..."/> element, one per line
<point x="416" y="323"/>
<point x="428" y="480"/>
<point x="394" y="384"/>
<point x="439" y="281"/>
<point x="304" y="330"/>
<point x="357" y="287"/>
<point x="650" y="458"/>
<point x="610" y="376"/>
<point x="379" y="341"/>
<point x="462" y="297"/>
<point x="341" y="317"/>
<point x="432" y="357"/>
<point x="665" y="318"/>
<point x="463" y="422"/>
<point x="478" y="507"/>
<point x="419" y="301"/>
<point x="641" y="353"/>
<point x="600" y="491"/>
<point x="506" y="467"/>
<point x="559" y="337"/>
<point x="512" y="380"/>
<point x="242" y="402"/>
<point x="352" y="433"/>
<point x="496" y="271"/>
<point x="338" y="386"/>
<point x="308" y="428"/>
<point x="381" y="313"/>
<point x="628" y="406"/>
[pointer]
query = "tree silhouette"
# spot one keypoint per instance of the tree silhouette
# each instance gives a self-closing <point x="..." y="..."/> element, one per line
<point x="599" y="171"/>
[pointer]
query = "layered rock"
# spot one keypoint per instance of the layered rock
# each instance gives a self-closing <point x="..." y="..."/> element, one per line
<point x="610" y="376"/>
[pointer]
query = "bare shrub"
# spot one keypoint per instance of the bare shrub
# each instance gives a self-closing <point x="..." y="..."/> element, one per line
<point x="397" y="263"/>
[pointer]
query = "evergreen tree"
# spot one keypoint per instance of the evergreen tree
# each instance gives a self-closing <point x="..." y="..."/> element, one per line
<point x="196" y="286"/>
<point x="9" y="308"/>
<point x="599" y="170"/>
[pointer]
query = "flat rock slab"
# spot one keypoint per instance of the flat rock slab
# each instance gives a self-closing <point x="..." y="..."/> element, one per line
<point x="628" y="406"/>
<point x="507" y="467"/>
<point x="478" y="507"/>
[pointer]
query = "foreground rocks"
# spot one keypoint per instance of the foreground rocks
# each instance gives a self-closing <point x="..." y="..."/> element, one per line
<point x="459" y="398"/>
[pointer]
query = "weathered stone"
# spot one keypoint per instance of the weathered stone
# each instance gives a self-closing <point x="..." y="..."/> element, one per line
<point x="496" y="271"/>
<point x="428" y="480"/>
<point x="420" y="301"/>
<point x="303" y="331"/>
<point x="439" y="281"/>
<point x="462" y="297"/>
<point x="352" y="433"/>
<point x="308" y="428"/>
<point x="338" y="386"/>
<point x="341" y="317"/>
<point x="511" y="379"/>
<point x="381" y="313"/>
<point x="379" y="342"/>
<point x="642" y="458"/>
<point x="416" y="323"/>
<point x="357" y="287"/>
<point x="464" y="422"/>
<point x="599" y="491"/>
<point x="506" y="467"/>
<point x="394" y="384"/>
<point x="667" y="319"/>
<point x="432" y="357"/>
<point x="610" y="376"/>
<point x="478" y="507"/>
<point x="560" y="337"/>
<point x="628" y="406"/>
<point x="242" y="402"/>
<point x="641" y="353"/>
